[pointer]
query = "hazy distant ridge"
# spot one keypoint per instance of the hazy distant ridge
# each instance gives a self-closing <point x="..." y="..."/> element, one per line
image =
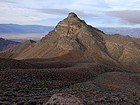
<point x="27" y="29"/>
<point x="134" y="32"/>
<point x="21" y="29"/>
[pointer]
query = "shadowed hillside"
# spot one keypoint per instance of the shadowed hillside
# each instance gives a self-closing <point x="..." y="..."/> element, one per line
<point x="4" y="43"/>
<point x="15" y="50"/>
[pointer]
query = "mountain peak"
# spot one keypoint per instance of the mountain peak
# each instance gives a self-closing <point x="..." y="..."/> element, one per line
<point x="73" y="34"/>
<point x="72" y="27"/>
<point x="72" y="15"/>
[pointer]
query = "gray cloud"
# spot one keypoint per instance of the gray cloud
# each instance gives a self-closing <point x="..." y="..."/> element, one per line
<point x="7" y="1"/>
<point x="4" y="1"/>
<point x="127" y="16"/>
<point x="65" y="12"/>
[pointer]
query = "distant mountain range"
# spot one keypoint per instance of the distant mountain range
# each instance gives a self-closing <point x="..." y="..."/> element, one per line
<point x="30" y="29"/>
<point x="134" y="32"/>
<point x="23" y="29"/>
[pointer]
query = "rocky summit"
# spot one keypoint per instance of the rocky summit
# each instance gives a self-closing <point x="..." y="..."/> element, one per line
<point x="73" y="39"/>
<point x="79" y="40"/>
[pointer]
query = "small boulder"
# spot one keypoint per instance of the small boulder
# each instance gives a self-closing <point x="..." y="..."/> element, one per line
<point x="63" y="99"/>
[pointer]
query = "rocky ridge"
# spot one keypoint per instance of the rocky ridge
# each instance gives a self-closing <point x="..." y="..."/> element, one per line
<point x="73" y="39"/>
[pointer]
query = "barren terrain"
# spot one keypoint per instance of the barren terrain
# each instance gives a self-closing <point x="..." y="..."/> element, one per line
<point x="93" y="83"/>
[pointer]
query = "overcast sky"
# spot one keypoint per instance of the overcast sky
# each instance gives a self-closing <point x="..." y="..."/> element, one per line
<point x="99" y="13"/>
